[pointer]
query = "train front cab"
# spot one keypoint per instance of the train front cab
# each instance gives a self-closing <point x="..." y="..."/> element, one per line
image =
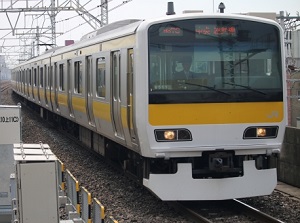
<point x="204" y="130"/>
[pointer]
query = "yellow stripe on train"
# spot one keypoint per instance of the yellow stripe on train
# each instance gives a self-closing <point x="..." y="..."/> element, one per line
<point x="215" y="113"/>
<point x="102" y="110"/>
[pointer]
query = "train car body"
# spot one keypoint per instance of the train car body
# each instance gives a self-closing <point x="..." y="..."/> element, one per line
<point x="207" y="135"/>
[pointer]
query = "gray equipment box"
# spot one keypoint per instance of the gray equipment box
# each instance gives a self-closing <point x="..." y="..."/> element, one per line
<point x="35" y="184"/>
<point x="10" y="133"/>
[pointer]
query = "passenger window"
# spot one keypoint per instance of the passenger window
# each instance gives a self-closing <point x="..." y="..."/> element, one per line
<point x="30" y="77"/>
<point x="61" y="77"/>
<point x="78" y="77"/>
<point x="51" y="78"/>
<point x="46" y="76"/>
<point x="41" y="77"/>
<point x="35" y="77"/>
<point x="100" y="77"/>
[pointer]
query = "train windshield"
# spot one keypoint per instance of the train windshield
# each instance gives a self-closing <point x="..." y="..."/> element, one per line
<point x="214" y="60"/>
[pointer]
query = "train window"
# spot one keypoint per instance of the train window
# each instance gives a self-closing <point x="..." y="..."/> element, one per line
<point x="19" y="79"/>
<point x="130" y="63"/>
<point x="61" y="77"/>
<point x="46" y="76"/>
<point x="78" y="77"/>
<point x="55" y="77"/>
<point x="51" y="80"/>
<point x="35" y="77"/>
<point x="24" y="73"/>
<point x="41" y="77"/>
<point x="27" y="76"/>
<point x="49" y="77"/>
<point x="213" y="60"/>
<point x="116" y="91"/>
<point x="100" y="77"/>
<point x="23" y="77"/>
<point x="30" y="77"/>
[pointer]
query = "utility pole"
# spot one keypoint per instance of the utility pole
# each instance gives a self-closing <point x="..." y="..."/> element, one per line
<point x="52" y="19"/>
<point x="42" y="8"/>
<point x="38" y="10"/>
<point x="37" y="41"/>
<point x="104" y="12"/>
<point x="289" y="24"/>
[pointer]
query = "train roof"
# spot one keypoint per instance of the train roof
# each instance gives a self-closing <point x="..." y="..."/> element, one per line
<point x="106" y="33"/>
<point x="110" y="27"/>
<point x="111" y="31"/>
<point x="130" y="26"/>
<point x="195" y="15"/>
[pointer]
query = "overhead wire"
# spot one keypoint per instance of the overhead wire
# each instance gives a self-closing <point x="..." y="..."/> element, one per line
<point x="123" y="3"/>
<point x="43" y="27"/>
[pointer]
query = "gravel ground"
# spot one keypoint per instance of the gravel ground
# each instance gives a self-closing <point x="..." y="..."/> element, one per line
<point x="123" y="199"/>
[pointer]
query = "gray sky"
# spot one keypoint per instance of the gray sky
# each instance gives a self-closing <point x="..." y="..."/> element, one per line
<point x="73" y="27"/>
<point x="154" y="8"/>
<point x="143" y="9"/>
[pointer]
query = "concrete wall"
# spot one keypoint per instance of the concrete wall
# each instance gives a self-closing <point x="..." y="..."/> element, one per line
<point x="293" y="85"/>
<point x="288" y="162"/>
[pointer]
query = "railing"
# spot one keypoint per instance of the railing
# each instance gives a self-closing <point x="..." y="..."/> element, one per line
<point x="77" y="201"/>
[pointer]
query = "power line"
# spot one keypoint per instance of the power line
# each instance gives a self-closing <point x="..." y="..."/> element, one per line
<point x="123" y="3"/>
<point x="41" y="28"/>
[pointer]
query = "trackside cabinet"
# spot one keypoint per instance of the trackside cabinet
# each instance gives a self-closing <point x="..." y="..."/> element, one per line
<point x="34" y="184"/>
<point x="10" y="133"/>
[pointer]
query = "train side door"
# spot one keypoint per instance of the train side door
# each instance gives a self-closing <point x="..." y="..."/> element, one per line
<point x="46" y="85"/>
<point x="130" y="108"/>
<point x="69" y="87"/>
<point x="34" y="85"/>
<point x="56" y="87"/>
<point x="116" y="97"/>
<point x="40" y="82"/>
<point x="37" y="84"/>
<point x="31" y="83"/>
<point x="51" y="86"/>
<point x="89" y="91"/>
<point x="28" y="83"/>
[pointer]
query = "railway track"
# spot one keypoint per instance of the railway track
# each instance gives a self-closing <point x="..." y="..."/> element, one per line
<point x="208" y="212"/>
<point x="216" y="212"/>
<point x="222" y="211"/>
<point x="5" y="85"/>
<point x="205" y="211"/>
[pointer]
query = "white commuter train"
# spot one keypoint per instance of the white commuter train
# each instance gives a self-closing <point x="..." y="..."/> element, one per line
<point x="203" y="137"/>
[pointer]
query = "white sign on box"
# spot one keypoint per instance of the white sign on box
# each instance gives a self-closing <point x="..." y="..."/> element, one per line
<point x="10" y="124"/>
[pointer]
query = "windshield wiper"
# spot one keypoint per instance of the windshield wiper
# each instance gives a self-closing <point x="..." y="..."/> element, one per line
<point x="247" y="87"/>
<point x="210" y="88"/>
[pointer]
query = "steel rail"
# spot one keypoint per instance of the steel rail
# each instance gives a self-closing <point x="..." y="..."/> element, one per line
<point x="253" y="212"/>
<point x="189" y="213"/>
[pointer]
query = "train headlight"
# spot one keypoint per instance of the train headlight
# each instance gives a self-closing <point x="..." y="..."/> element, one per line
<point x="172" y="135"/>
<point x="169" y="135"/>
<point x="260" y="132"/>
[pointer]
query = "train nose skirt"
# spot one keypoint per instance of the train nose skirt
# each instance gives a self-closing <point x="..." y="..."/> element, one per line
<point x="181" y="185"/>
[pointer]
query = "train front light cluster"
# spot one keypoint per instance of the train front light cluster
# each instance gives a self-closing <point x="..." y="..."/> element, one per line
<point x="260" y="132"/>
<point x="172" y="135"/>
<point x="169" y="135"/>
